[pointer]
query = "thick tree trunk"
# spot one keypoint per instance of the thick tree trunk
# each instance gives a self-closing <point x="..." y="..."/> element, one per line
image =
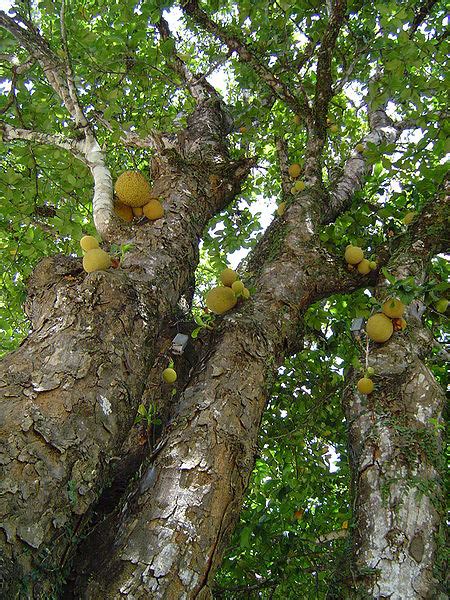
<point x="395" y="445"/>
<point x="70" y="392"/>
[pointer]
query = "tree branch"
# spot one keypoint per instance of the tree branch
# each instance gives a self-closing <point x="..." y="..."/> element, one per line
<point x="283" y="161"/>
<point x="421" y="15"/>
<point x="282" y="92"/>
<point x="357" y="167"/>
<point x="79" y="117"/>
<point x="26" y="34"/>
<point x="199" y="88"/>
<point x="324" y="79"/>
<point x="10" y="133"/>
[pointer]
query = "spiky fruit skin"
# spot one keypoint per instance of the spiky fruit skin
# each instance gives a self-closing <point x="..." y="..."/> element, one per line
<point x="408" y="218"/>
<point x="246" y="293"/>
<point x="393" y="308"/>
<point x="88" y="242"/>
<point x="364" y="267"/>
<point x="353" y="255"/>
<point x="137" y="211"/>
<point x="365" y="385"/>
<point x="237" y="287"/>
<point x="299" y="186"/>
<point x="123" y="211"/>
<point x="96" y="260"/>
<point x="373" y="265"/>
<point x="441" y="305"/>
<point x="297" y="119"/>
<point x="220" y="299"/>
<point x="359" y="148"/>
<point x="334" y="128"/>
<point x="169" y="375"/>
<point x="228" y="277"/>
<point x="281" y="209"/>
<point x="294" y="170"/>
<point x="294" y="190"/>
<point x="132" y="189"/>
<point x="153" y="210"/>
<point x="379" y="328"/>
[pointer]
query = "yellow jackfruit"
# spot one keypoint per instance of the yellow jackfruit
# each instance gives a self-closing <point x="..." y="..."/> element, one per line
<point x="353" y="255"/>
<point x="96" y="260"/>
<point x="408" y="218"/>
<point x="295" y="170"/>
<point x="364" y="267"/>
<point x="137" y="211"/>
<point x="393" y="308"/>
<point x="365" y="385"/>
<point x="281" y="209"/>
<point x="153" y="210"/>
<point x="299" y="186"/>
<point x="220" y="299"/>
<point x="88" y="242"/>
<point x="379" y="328"/>
<point x="228" y="277"/>
<point x="359" y="148"/>
<point x="132" y="189"/>
<point x="246" y="293"/>
<point x="123" y="211"/>
<point x="237" y="287"/>
<point x="169" y="375"/>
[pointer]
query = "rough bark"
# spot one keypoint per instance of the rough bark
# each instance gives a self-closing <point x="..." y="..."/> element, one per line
<point x="395" y="446"/>
<point x="70" y="392"/>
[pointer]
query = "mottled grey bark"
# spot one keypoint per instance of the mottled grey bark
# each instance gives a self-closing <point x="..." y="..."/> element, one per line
<point x="70" y="392"/>
<point x="395" y="445"/>
<point x="169" y="536"/>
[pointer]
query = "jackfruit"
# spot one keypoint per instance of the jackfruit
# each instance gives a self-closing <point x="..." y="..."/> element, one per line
<point x="153" y="210"/>
<point x="132" y="189"/>
<point x="88" y="242"/>
<point x="359" y="148"/>
<point x="137" y="211"/>
<point x="373" y="265"/>
<point x="299" y="186"/>
<point x="364" y="266"/>
<point x="353" y="255"/>
<point x="123" y="211"/>
<point x="96" y="260"/>
<point x="297" y="119"/>
<point x="228" y="277"/>
<point x="169" y="375"/>
<point x="365" y="385"/>
<point x="246" y="293"/>
<point x="393" y="308"/>
<point x="281" y="209"/>
<point x="294" y="170"/>
<point x="220" y="299"/>
<point x="334" y="128"/>
<point x="379" y="328"/>
<point x="237" y="287"/>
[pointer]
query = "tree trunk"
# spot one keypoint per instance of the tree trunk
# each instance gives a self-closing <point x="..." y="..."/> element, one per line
<point x="395" y="446"/>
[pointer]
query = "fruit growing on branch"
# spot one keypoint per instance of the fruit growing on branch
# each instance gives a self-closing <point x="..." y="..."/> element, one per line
<point x="365" y="385"/>
<point x="228" y="277"/>
<point x="169" y="375"/>
<point x="153" y="210"/>
<point x="353" y="255"/>
<point x="88" y="242"/>
<point x="123" y="211"/>
<point x="220" y="299"/>
<point x="294" y="170"/>
<point x="132" y="189"/>
<point x="364" y="267"/>
<point x="393" y="308"/>
<point x="96" y="260"/>
<point x="379" y="328"/>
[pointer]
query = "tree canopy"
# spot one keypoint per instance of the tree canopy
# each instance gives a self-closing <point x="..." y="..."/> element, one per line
<point x="288" y="72"/>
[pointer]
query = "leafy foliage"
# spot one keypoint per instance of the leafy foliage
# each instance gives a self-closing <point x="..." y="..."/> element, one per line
<point x="299" y="488"/>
